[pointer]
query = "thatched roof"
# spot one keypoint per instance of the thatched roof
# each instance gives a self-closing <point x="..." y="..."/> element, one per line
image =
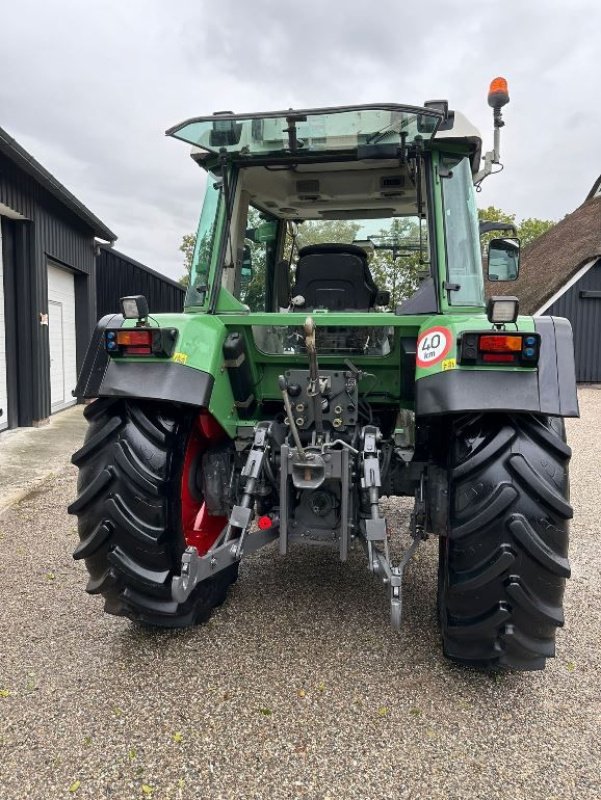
<point x="552" y="259"/>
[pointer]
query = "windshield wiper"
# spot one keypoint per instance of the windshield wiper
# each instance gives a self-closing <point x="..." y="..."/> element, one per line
<point x="377" y="136"/>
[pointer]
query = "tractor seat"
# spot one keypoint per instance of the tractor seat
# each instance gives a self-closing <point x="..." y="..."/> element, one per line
<point x="334" y="276"/>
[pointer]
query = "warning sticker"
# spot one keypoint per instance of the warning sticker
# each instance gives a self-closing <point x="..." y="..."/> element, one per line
<point x="449" y="363"/>
<point x="432" y="346"/>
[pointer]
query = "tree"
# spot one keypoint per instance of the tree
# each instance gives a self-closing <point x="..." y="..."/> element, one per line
<point x="252" y="290"/>
<point x="187" y="248"/>
<point x="396" y="268"/>
<point x="395" y="262"/>
<point x="318" y="231"/>
<point x="309" y="232"/>
<point x="530" y="229"/>
<point x="527" y="230"/>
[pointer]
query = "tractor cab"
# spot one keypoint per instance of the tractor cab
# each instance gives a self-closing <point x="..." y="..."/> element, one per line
<point x="335" y="210"/>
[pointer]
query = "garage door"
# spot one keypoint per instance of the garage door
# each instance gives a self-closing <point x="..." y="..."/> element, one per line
<point x="3" y="387"/>
<point x="61" y="333"/>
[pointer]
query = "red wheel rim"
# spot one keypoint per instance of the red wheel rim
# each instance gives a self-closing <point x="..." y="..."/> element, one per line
<point x="200" y="528"/>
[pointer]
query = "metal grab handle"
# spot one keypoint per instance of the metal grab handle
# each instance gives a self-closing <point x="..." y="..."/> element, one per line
<point x="314" y="385"/>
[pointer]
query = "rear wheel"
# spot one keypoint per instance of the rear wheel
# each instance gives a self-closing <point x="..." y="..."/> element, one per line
<point x="140" y="503"/>
<point x="504" y="564"/>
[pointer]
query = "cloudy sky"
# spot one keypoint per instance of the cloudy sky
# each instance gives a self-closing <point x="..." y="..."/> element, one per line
<point x="88" y="87"/>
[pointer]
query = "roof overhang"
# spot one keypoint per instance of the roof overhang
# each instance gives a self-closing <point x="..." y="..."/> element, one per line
<point x="19" y="156"/>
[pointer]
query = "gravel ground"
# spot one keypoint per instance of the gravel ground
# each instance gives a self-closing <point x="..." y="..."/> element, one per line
<point x="297" y="687"/>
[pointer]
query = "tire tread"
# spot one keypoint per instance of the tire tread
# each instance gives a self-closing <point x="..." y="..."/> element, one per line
<point x="128" y="513"/>
<point x="504" y="560"/>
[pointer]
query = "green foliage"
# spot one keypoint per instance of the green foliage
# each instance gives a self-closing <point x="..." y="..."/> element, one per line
<point x="492" y="214"/>
<point x="318" y="231"/>
<point x="187" y="248"/>
<point x="394" y="269"/>
<point x="397" y="269"/>
<point x="253" y="294"/>
<point x="253" y="289"/>
<point x="527" y="230"/>
<point x="530" y="229"/>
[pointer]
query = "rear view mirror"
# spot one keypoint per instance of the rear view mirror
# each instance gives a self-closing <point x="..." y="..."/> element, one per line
<point x="503" y="259"/>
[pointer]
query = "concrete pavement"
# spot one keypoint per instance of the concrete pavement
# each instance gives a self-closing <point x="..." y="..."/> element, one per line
<point x="30" y="456"/>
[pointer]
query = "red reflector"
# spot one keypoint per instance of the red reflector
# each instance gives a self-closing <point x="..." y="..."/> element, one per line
<point x="496" y="343"/>
<point x="264" y="522"/>
<point x="134" y="338"/>
<point x="137" y="351"/>
<point x="498" y="357"/>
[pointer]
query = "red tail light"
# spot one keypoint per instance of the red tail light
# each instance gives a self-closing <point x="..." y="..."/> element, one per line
<point x="135" y="343"/>
<point x="140" y="341"/>
<point x="134" y="338"/>
<point x="500" y="344"/>
<point x="498" y="358"/>
<point x="487" y="347"/>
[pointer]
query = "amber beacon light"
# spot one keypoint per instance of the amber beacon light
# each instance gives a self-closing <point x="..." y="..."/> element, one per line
<point x="498" y="93"/>
<point x="498" y="96"/>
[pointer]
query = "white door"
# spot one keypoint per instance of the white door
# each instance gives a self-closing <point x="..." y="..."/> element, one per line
<point x="3" y="388"/>
<point x="61" y="337"/>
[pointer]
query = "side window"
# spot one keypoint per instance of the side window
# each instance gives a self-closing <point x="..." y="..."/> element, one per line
<point x="203" y="249"/>
<point x="258" y="258"/>
<point x="462" y="234"/>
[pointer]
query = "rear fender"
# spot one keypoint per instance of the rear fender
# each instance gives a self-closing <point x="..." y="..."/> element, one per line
<point x="550" y="389"/>
<point x="162" y="379"/>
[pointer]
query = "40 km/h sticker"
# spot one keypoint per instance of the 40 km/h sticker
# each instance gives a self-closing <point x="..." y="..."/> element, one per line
<point x="432" y="346"/>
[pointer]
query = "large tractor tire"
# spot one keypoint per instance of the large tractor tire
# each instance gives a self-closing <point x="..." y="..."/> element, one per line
<point x="140" y="503"/>
<point x="504" y="564"/>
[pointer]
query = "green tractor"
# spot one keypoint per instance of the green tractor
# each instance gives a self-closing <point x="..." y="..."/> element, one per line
<point x="335" y="348"/>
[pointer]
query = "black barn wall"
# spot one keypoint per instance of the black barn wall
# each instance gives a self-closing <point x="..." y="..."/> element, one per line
<point x="118" y="276"/>
<point x="585" y="315"/>
<point x="51" y="232"/>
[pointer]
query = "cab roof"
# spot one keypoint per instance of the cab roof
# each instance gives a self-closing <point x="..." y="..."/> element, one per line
<point x="362" y="132"/>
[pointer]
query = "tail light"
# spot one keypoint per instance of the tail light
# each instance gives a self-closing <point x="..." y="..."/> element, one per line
<point x="518" y="349"/>
<point x="140" y="341"/>
<point x="135" y="343"/>
<point x="500" y="344"/>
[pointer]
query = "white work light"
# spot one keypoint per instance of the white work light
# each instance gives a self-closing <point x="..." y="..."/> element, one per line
<point x="135" y="307"/>
<point x="502" y="309"/>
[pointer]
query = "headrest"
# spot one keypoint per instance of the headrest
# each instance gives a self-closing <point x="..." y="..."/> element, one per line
<point x="349" y="249"/>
